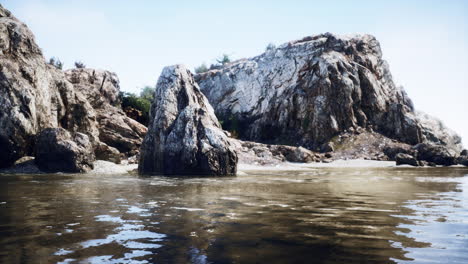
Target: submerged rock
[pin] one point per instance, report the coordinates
(57, 150)
(184, 136)
(306, 92)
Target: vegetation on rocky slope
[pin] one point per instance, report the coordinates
(138, 106)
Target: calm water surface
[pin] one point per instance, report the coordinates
(384, 215)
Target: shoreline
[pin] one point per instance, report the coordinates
(291, 166)
(106, 167)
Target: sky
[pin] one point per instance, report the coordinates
(425, 42)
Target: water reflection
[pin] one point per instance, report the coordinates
(320, 216)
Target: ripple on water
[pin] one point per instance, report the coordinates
(62, 252)
(129, 234)
(123, 237)
(108, 218)
(136, 210)
(188, 209)
(128, 258)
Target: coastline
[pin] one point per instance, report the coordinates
(107, 167)
(291, 166)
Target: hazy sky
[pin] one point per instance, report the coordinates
(425, 42)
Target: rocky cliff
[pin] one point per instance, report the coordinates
(101, 89)
(307, 92)
(35, 95)
(184, 136)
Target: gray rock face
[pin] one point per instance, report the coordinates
(308, 91)
(33, 94)
(184, 136)
(57, 150)
(101, 89)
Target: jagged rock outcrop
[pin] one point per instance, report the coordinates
(184, 136)
(306, 92)
(101, 88)
(264, 154)
(33, 94)
(57, 150)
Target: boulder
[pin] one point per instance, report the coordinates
(308, 91)
(405, 159)
(33, 94)
(462, 160)
(392, 150)
(436, 154)
(184, 136)
(58, 150)
(108, 153)
(301, 155)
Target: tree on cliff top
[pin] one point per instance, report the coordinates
(141, 103)
(147, 93)
(79, 65)
(202, 68)
(224, 59)
(56, 63)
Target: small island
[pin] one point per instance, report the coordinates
(285, 156)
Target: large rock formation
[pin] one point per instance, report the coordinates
(184, 136)
(33, 94)
(101, 88)
(57, 150)
(307, 92)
